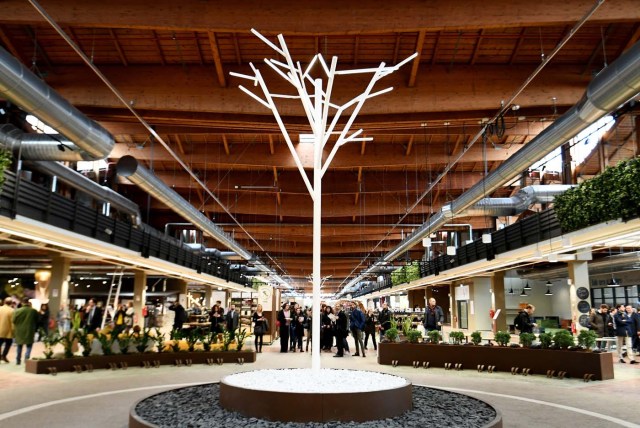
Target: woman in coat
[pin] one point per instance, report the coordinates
(284, 320)
(215, 319)
(298, 322)
(259, 327)
(370, 322)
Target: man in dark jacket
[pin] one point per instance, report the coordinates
(384, 319)
(523, 321)
(625, 330)
(433, 316)
(232, 320)
(356, 319)
(93, 316)
(180, 315)
(341, 330)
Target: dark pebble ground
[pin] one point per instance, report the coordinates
(198, 406)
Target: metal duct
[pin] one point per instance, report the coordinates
(22, 87)
(614, 86)
(527, 196)
(129, 167)
(40, 146)
(82, 183)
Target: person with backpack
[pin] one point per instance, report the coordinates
(524, 321)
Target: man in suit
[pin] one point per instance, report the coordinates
(24, 321)
(625, 330)
(384, 319)
(232, 320)
(341, 330)
(93, 316)
(180, 315)
(433, 316)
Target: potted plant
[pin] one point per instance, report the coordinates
(476, 337)
(563, 339)
(414, 336)
(50, 340)
(434, 336)
(241, 335)
(406, 325)
(124, 340)
(391, 334)
(457, 337)
(502, 338)
(106, 342)
(526, 339)
(545, 340)
(587, 339)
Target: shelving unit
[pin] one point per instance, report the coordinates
(246, 303)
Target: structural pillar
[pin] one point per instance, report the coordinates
(58, 289)
(207, 297)
(497, 301)
(579, 277)
(139, 295)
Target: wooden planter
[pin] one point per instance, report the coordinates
(96, 362)
(538, 361)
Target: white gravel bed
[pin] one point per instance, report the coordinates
(311, 381)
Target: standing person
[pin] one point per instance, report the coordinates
(600, 322)
(180, 315)
(341, 330)
(63, 320)
(308, 326)
(284, 320)
(260, 325)
(433, 316)
(6, 328)
(635, 340)
(232, 321)
(118, 320)
(128, 316)
(25, 321)
(370, 322)
(357, 322)
(384, 319)
(93, 316)
(524, 321)
(43, 321)
(215, 319)
(298, 322)
(625, 330)
(327, 330)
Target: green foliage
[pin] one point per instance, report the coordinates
(563, 339)
(587, 338)
(414, 335)
(241, 335)
(76, 322)
(124, 340)
(526, 339)
(434, 336)
(226, 339)
(67, 342)
(159, 338)
(406, 325)
(611, 195)
(406, 273)
(545, 340)
(6, 158)
(141, 341)
(84, 339)
(476, 337)
(391, 334)
(502, 338)
(192, 338)
(457, 337)
(106, 340)
(50, 340)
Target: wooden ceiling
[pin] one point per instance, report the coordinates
(172, 60)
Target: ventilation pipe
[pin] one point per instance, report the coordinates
(40, 146)
(25, 89)
(129, 167)
(85, 185)
(614, 86)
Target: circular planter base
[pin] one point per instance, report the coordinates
(326, 395)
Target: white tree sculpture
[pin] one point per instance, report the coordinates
(319, 109)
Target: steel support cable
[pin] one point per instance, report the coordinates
(144, 123)
(503, 109)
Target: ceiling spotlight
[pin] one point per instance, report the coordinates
(527, 286)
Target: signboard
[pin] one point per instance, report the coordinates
(265, 297)
(462, 292)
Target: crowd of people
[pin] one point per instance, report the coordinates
(623, 323)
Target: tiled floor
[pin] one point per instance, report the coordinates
(103, 398)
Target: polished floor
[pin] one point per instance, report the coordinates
(103, 398)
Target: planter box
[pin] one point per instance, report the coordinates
(539, 361)
(133, 360)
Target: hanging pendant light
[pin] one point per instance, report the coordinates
(527, 286)
(549, 283)
(510, 291)
(524, 293)
(613, 282)
(549, 292)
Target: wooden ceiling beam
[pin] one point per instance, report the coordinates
(116, 44)
(356, 44)
(226, 145)
(272, 150)
(217, 61)
(156, 40)
(409, 146)
(236, 48)
(635, 36)
(416, 61)
(299, 18)
(514, 53)
(6, 41)
(476, 48)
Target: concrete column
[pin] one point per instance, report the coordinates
(207, 297)
(58, 289)
(579, 277)
(139, 295)
(480, 303)
(497, 301)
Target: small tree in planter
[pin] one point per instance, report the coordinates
(241, 335)
(545, 340)
(414, 336)
(50, 340)
(563, 339)
(476, 337)
(124, 340)
(391, 334)
(457, 337)
(406, 325)
(106, 341)
(192, 338)
(526, 339)
(434, 336)
(159, 338)
(502, 338)
(84, 339)
(587, 339)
